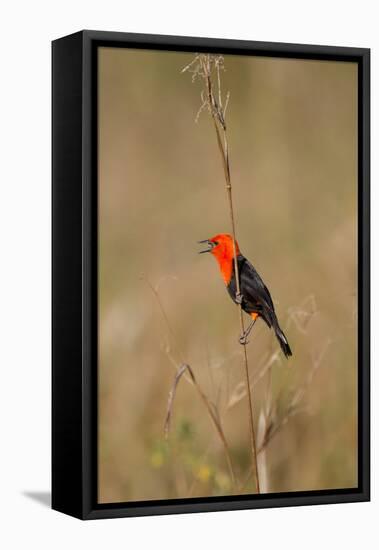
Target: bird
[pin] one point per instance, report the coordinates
(254, 297)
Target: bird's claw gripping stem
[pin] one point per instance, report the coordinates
(239, 298)
(243, 339)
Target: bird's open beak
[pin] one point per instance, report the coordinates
(209, 243)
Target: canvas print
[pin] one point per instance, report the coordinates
(227, 275)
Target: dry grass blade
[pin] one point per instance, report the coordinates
(240, 391)
(213, 415)
(275, 425)
(262, 458)
(182, 370)
(171, 398)
(171, 331)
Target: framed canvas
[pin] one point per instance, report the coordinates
(186, 382)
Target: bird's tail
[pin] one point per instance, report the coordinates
(282, 340)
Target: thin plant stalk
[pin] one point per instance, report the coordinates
(218, 117)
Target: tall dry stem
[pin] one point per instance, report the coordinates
(207, 67)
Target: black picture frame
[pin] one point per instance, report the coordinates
(74, 273)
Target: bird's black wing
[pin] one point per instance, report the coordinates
(256, 297)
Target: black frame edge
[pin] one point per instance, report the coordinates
(364, 266)
(277, 501)
(227, 45)
(67, 96)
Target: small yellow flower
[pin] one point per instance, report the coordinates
(203, 473)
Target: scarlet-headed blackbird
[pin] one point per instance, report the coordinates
(254, 296)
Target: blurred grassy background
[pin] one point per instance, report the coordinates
(292, 128)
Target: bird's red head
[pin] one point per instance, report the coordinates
(221, 247)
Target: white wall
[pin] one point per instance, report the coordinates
(26, 31)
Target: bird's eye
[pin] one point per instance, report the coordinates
(215, 243)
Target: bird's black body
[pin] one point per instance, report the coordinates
(256, 298)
